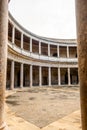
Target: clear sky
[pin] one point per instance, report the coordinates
(49, 18)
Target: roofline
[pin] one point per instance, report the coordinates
(55, 40)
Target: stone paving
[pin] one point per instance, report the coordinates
(70, 122)
(42, 106)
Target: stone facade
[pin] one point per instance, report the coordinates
(39, 61)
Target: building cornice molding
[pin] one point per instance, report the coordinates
(46, 39)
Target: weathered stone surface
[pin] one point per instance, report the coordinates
(3, 56)
(81, 15)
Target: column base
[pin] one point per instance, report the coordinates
(21, 87)
(4, 126)
(11, 88)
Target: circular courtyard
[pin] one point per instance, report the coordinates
(42, 106)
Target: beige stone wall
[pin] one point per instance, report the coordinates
(35, 76)
(73, 52)
(53, 51)
(54, 76)
(44, 76)
(63, 51)
(26, 77)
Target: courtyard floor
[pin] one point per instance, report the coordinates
(42, 106)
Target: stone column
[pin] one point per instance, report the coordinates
(81, 16)
(40, 76)
(3, 57)
(31, 75)
(39, 48)
(13, 35)
(21, 75)
(59, 82)
(12, 75)
(21, 40)
(48, 49)
(69, 83)
(30, 44)
(58, 51)
(49, 76)
(67, 52)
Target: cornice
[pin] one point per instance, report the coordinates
(45, 39)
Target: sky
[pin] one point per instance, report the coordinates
(48, 18)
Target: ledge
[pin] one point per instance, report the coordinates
(41, 58)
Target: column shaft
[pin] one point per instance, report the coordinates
(40, 76)
(21, 75)
(3, 56)
(48, 49)
(69, 76)
(21, 40)
(12, 75)
(30, 44)
(67, 52)
(13, 35)
(59, 78)
(49, 76)
(58, 51)
(39, 48)
(81, 17)
(31, 75)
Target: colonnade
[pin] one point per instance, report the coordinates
(39, 42)
(81, 13)
(49, 75)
